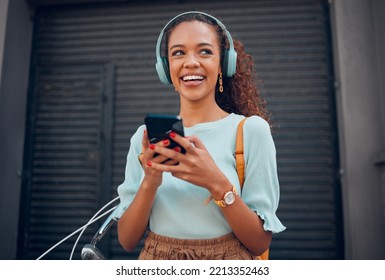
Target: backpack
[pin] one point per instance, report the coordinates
(240, 165)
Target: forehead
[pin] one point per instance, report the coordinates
(191, 31)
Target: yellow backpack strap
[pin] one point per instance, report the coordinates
(239, 159)
(240, 165)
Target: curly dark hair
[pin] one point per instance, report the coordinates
(241, 94)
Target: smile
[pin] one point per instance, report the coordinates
(191, 78)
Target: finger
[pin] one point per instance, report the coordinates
(167, 153)
(156, 151)
(147, 154)
(145, 145)
(170, 162)
(183, 142)
(145, 142)
(162, 167)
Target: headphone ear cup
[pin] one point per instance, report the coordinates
(163, 71)
(230, 63)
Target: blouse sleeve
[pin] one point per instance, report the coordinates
(261, 187)
(133, 173)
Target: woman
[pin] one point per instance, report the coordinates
(167, 198)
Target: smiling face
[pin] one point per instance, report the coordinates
(194, 60)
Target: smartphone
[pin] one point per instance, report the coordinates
(159, 127)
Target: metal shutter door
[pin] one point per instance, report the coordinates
(66, 165)
(289, 41)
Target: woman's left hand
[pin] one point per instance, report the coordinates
(195, 166)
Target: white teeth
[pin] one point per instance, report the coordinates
(192, 77)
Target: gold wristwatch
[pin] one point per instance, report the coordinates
(228, 198)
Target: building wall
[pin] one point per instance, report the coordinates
(359, 65)
(15, 51)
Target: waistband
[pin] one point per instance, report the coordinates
(226, 247)
(192, 242)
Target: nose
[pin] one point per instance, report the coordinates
(191, 61)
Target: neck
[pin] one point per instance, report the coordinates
(193, 114)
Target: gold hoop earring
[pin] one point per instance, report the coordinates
(220, 82)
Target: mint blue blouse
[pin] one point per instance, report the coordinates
(179, 210)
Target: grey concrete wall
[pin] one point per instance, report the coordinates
(361, 126)
(16, 48)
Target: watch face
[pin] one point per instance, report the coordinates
(229, 198)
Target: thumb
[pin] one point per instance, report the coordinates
(196, 142)
(145, 142)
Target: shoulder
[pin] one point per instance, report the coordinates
(258, 139)
(257, 133)
(256, 125)
(139, 132)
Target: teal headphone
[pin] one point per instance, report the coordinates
(230, 57)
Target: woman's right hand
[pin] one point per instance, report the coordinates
(152, 177)
(134, 222)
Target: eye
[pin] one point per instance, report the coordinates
(177, 53)
(206, 51)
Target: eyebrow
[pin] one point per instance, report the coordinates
(199, 45)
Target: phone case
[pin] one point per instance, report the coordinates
(159, 127)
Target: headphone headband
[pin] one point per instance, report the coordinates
(230, 57)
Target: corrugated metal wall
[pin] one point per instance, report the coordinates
(72, 108)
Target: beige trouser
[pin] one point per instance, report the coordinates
(226, 247)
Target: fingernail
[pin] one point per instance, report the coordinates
(172, 134)
(166, 142)
(149, 163)
(177, 149)
(152, 146)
